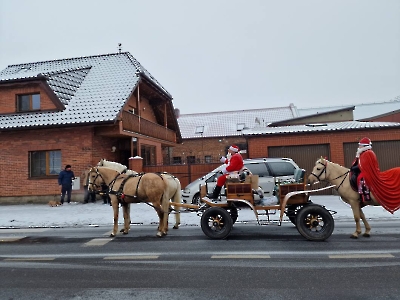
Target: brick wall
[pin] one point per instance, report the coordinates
(8, 97)
(78, 148)
(214, 147)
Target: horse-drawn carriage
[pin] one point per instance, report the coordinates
(313, 221)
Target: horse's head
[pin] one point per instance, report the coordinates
(94, 179)
(319, 171)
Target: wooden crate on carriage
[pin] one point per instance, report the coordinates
(286, 188)
(241, 190)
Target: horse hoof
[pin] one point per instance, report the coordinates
(112, 235)
(366, 235)
(122, 230)
(125, 232)
(176, 227)
(354, 237)
(159, 234)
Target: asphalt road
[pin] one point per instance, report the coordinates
(255, 262)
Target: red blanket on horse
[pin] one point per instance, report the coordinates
(384, 185)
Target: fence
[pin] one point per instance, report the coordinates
(185, 173)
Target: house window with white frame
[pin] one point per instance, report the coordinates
(44, 163)
(28, 102)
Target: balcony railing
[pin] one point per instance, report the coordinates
(131, 122)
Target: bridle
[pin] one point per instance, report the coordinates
(324, 171)
(92, 185)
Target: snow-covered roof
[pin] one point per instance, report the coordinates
(93, 89)
(231, 123)
(361, 111)
(321, 127)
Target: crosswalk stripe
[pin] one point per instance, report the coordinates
(362, 255)
(97, 242)
(10, 239)
(241, 256)
(127, 257)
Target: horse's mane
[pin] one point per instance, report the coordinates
(115, 166)
(328, 161)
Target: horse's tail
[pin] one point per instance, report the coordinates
(176, 197)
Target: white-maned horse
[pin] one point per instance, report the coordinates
(172, 190)
(325, 170)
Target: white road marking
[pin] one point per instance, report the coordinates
(240, 256)
(11, 239)
(127, 257)
(362, 255)
(30, 259)
(97, 242)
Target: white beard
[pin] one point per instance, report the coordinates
(229, 155)
(362, 149)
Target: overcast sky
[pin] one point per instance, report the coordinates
(218, 55)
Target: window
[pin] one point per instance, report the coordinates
(259, 169)
(207, 159)
(282, 168)
(199, 129)
(44, 163)
(191, 159)
(240, 126)
(148, 154)
(28, 102)
(177, 160)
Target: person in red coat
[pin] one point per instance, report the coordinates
(234, 163)
(384, 185)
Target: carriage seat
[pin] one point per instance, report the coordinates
(299, 175)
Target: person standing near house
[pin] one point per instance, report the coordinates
(65, 180)
(234, 163)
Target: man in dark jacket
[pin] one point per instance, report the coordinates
(65, 180)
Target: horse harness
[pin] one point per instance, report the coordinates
(324, 171)
(121, 195)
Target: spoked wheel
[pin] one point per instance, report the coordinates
(314, 222)
(234, 213)
(216, 223)
(291, 212)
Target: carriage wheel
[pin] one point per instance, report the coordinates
(314, 222)
(234, 214)
(216, 223)
(291, 212)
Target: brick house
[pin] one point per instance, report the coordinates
(77, 111)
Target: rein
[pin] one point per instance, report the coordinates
(324, 170)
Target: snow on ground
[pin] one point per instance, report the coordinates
(97, 214)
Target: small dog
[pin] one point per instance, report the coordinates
(53, 203)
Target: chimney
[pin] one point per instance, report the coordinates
(177, 113)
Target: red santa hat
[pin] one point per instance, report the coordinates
(365, 142)
(234, 148)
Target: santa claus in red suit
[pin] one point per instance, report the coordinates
(384, 185)
(234, 163)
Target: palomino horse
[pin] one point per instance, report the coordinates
(172, 191)
(149, 188)
(325, 170)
